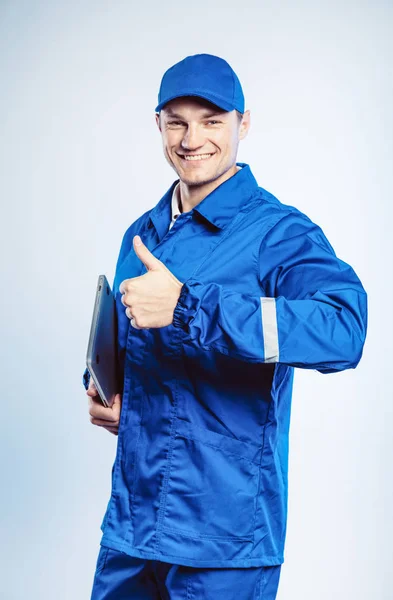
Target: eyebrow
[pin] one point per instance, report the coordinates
(204, 115)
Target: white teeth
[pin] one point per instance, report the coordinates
(197, 157)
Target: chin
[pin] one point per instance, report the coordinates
(197, 181)
(199, 178)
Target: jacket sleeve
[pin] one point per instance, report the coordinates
(312, 311)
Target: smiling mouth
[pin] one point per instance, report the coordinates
(195, 157)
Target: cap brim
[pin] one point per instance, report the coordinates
(224, 105)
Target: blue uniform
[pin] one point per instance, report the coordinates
(122, 577)
(200, 476)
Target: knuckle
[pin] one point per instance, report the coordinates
(127, 300)
(141, 322)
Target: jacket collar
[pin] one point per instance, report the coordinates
(219, 207)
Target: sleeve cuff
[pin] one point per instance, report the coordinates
(86, 378)
(187, 305)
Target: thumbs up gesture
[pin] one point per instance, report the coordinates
(150, 299)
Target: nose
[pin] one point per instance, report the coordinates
(193, 138)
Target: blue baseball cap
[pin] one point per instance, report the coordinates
(205, 76)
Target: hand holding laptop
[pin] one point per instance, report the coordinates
(109, 417)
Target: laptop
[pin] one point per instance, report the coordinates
(101, 358)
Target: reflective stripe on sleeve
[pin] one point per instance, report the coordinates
(269, 329)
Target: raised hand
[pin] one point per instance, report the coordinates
(150, 299)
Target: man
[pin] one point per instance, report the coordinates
(221, 291)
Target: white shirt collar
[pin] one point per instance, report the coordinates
(175, 202)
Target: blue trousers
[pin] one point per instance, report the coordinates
(119, 576)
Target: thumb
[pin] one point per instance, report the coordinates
(151, 262)
(92, 390)
(116, 405)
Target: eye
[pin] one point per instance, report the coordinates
(212, 122)
(175, 123)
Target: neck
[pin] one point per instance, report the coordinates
(192, 195)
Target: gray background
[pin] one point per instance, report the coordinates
(81, 158)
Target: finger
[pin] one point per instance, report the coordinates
(151, 262)
(116, 406)
(134, 325)
(108, 414)
(92, 390)
(123, 286)
(132, 319)
(103, 423)
(108, 427)
(128, 312)
(98, 411)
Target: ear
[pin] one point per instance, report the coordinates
(158, 121)
(244, 125)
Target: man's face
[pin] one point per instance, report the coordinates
(200, 140)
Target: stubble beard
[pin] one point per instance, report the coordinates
(205, 181)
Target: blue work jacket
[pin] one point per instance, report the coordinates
(200, 476)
